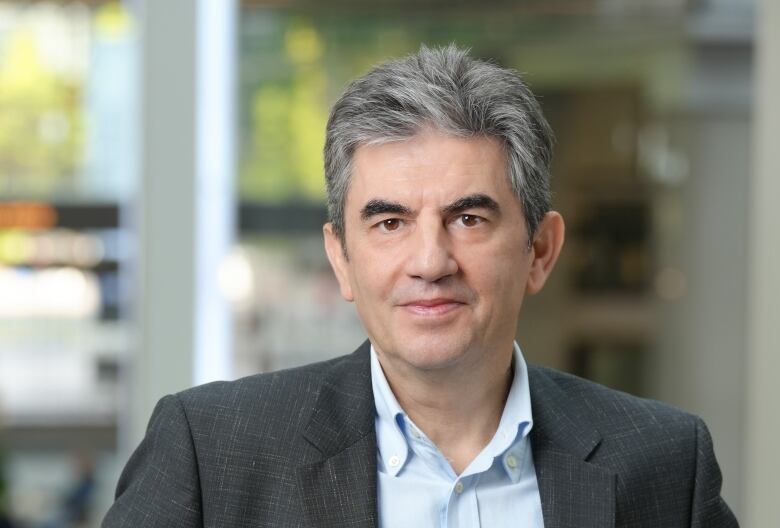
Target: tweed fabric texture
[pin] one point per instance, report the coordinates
(297, 448)
(605, 458)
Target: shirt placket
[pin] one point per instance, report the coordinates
(461, 508)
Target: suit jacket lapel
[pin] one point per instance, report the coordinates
(339, 487)
(574, 492)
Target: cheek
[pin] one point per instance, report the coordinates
(372, 276)
(501, 274)
(507, 284)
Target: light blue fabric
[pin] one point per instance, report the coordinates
(418, 487)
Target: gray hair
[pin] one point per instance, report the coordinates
(446, 89)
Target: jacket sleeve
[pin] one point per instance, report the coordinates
(708, 510)
(159, 486)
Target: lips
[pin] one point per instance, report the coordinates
(432, 307)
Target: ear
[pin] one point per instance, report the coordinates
(545, 249)
(338, 260)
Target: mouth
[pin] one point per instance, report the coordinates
(432, 307)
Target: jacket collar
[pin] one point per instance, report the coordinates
(574, 492)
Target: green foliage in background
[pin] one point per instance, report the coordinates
(41, 123)
(288, 116)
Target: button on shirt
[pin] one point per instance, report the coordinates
(418, 487)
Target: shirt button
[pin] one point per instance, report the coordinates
(459, 487)
(394, 461)
(511, 461)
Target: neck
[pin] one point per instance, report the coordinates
(459, 409)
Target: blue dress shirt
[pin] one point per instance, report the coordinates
(418, 487)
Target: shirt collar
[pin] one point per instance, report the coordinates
(514, 426)
(392, 444)
(510, 442)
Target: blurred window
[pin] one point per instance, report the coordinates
(67, 169)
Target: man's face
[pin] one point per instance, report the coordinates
(437, 250)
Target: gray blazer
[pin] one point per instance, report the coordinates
(297, 448)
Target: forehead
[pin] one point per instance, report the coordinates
(430, 166)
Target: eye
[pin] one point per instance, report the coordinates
(389, 224)
(470, 220)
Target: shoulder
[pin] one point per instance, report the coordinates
(289, 392)
(628, 426)
(609, 408)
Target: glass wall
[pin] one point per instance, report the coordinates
(67, 168)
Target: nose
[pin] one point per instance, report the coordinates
(431, 258)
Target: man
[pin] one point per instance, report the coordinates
(437, 168)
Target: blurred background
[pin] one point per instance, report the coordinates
(161, 203)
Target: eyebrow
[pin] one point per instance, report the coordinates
(472, 201)
(378, 206)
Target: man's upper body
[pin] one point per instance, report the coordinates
(437, 168)
(299, 448)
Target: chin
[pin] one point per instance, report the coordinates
(431, 352)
